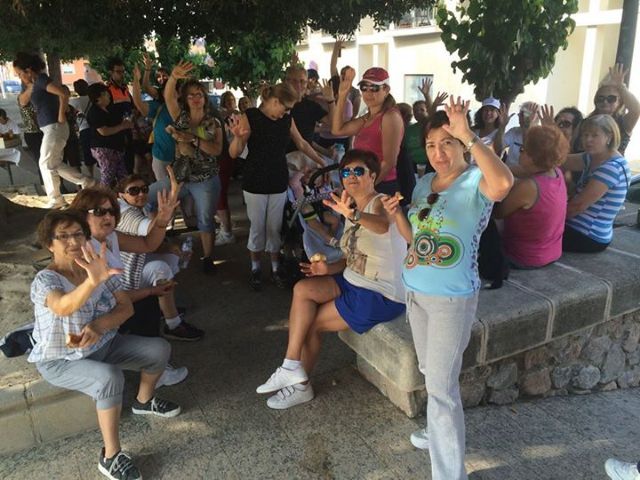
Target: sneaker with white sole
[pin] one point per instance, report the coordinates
(420, 439)
(619, 470)
(291, 396)
(224, 238)
(172, 376)
(156, 406)
(283, 378)
(118, 467)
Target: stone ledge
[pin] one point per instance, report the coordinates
(35, 412)
(533, 308)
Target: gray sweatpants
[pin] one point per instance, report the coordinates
(100, 374)
(441, 328)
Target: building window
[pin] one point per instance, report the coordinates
(412, 86)
(68, 69)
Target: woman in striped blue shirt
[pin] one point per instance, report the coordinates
(601, 189)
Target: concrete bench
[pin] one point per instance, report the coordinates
(522, 329)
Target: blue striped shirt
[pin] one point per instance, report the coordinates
(596, 221)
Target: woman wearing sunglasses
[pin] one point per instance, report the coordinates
(601, 187)
(614, 98)
(198, 136)
(357, 292)
(267, 131)
(79, 305)
(380, 130)
(449, 210)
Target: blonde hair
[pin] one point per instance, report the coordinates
(605, 123)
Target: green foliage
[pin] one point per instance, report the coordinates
(505, 44)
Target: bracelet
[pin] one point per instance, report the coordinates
(472, 142)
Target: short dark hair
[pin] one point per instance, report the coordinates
(367, 157)
(51, 220)
(114, 62)
(95, 90)
(577, 115)
(128, 180)
(90, 198)
(30, 61)
(81, 87)
(3, 113)
(312, 73)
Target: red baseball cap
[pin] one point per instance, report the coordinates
(375, 76)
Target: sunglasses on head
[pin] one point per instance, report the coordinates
(357, 171)
(606, 98)
(101, 212)
(135, 190)
(431, 199)
(564, 123)
(367, 87)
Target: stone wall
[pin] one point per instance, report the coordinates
(600, 358)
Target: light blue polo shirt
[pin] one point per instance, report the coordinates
(443, 256)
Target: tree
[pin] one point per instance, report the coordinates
(505, 44)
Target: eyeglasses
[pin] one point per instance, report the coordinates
(606, 98)
(357, 171)
(368, 87)
(65, 237)
(196, 96)
(137, 190)
(564, 123)
(101, 212)
(431, 199)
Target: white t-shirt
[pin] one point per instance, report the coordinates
(10, 125)
(513, 141)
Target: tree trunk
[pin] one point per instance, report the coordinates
(627, 36)
(53, 65)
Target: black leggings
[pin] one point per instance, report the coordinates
(574, 241)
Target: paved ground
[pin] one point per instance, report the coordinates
(350, 431)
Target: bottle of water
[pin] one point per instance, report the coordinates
(187, 251)
(339, 148)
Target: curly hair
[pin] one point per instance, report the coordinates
(29, 61)
(90, 198)
(47, 226)
(546, 146)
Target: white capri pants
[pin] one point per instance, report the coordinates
(159, 266)
(265, 215)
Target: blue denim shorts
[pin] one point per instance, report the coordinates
(362, 308)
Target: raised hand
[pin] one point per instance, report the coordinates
(546, 114)
(391, 206)
(503, 115)
(148, 63)
(327, 91)
(616, 76)
(96, 265)
(439, 100)
(425, 87)
(346, 81)
(168, 201)
(182, 69)
(236, 127)
(136, 73)
(314, 269)
(340, 204)
(458, 125)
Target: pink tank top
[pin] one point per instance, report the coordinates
(370, 138)
(533, 237)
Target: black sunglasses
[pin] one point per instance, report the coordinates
(431, 199)
(367, 87)
(606, 98)
(135, 190)
(101, 212)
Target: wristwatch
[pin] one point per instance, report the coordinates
(472, 142)
(356, 216)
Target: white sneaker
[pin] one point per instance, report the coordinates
(618, 470)
(283, 378)
(224, 238)
(291, 396)
(56, 203)
(420, 439)
(172, 376)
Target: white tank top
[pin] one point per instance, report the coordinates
(374, 260)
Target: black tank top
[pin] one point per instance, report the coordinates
(265, 170)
